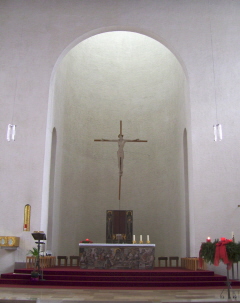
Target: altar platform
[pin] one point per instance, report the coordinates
(116, 256)
(156, 278)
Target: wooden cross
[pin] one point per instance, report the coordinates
(120, 153)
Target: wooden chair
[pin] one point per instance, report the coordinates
(62, 258)
(76, 258)
(176, 259)
(162, 259)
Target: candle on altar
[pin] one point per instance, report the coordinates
(147, 238)
(140, 237)
(208, 239)
(134, 238)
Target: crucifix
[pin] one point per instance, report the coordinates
(120, 153)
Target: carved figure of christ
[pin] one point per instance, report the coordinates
(120, 153)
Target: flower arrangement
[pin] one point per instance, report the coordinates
(224, 250)
(86, 241)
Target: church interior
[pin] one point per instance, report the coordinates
(119, 105)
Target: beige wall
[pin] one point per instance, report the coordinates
(36, 35)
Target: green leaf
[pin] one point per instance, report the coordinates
(207, 251)
(33, 252)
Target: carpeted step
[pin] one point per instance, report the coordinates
(165, 273)
(156, 278)
(49, 277)
(116, 283)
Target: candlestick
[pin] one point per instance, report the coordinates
(134, 239)
(148, 241)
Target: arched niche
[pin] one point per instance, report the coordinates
(108, 77)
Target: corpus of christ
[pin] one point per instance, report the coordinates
(120, 153)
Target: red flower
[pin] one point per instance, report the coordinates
(86, 241)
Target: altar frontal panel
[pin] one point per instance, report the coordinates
(122, 256)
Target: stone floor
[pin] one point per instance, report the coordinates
(13, 295)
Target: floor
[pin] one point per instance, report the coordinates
(13, 295)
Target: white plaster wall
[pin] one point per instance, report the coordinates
(34, 34)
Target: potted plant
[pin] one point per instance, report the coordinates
(35, 253)
(34, 275)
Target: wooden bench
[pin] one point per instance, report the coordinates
(46, 261)
(191, 263)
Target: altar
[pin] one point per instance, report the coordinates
(116, 256)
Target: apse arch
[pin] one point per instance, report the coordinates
(103, 30)
(60, 128)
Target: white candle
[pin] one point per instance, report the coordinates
(140, 237)
(147, 238)
(134, 238)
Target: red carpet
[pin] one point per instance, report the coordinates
(158, 278)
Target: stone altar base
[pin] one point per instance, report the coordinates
(116, 256)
